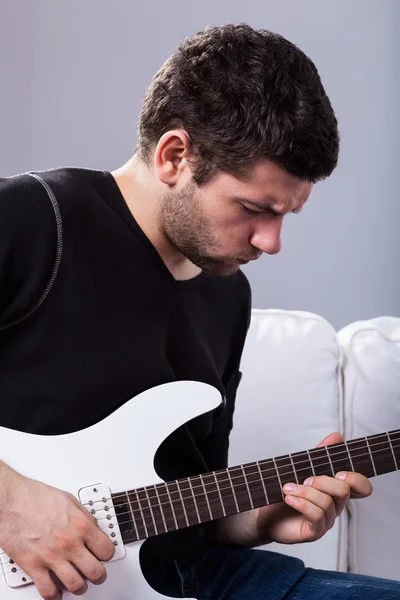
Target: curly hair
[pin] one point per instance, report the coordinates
(242, 95)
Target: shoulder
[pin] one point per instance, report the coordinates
(30, 235)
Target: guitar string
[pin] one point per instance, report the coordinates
(148, 507)
(245, 493)
(272, 469)
(365, 455)
(242, 495)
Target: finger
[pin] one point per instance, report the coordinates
(45, 585)
(360, 486)
(91, 568)
(69, 577)
(309, 496)
(337, 490)
(332, 438)
(314, 515)
(99, 544)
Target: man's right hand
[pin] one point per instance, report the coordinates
(47, 531)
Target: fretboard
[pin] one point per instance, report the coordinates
(165, 507)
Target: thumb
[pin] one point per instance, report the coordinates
(332, 438)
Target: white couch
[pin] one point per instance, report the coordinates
(301, 381)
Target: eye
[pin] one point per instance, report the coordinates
(249, 211)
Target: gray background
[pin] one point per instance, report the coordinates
(73, 75)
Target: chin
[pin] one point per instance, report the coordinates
(223, 269)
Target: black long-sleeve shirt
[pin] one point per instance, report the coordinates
(90, 316)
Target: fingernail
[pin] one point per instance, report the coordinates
(342, 475)
(290, 487)
(309, 481)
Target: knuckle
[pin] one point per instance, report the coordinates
(46, 588)
(77, 587)
(68, 543)
(47, 555)
(84, 526)
(108, 553)
(98, 575)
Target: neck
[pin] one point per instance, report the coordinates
(143, 196)
(165, 507)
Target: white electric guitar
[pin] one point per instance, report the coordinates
(109, 467)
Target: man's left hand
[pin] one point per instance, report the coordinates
(310, 509)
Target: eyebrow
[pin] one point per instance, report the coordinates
(268, 207)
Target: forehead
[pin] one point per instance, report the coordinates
(267, 182)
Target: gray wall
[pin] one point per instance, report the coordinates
(73, 74)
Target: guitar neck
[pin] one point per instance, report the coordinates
(165, 507)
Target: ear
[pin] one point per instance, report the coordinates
(170, 157)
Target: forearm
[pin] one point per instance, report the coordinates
(241, 530)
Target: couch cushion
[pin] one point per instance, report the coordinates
(372, 405)
(289, 399)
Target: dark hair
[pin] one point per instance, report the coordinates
(242, 95)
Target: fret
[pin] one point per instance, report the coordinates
(145, 511)
(213, 496)
(294, 469)
(382, 454)
(156, 510)
(286, 471)
(136, 527)
(226, 491)
(393, 452)
(279, 478)
(160, 505)
(189, 502)
(124, 515)
(138, 514)
(370, 453)
(394, 437)
(172, 506)
(302, 463)
(271, 481)
(339, 457)
(321, 462)
(201, 498)
(330, 462)
(241, 489)
(263, 483)
(206, 496)
(151, 511)
(247, 486)
(311, 463)
(219, 493)
(177, 502)
(361, 457)
(256, 485)
(348, 452)
(233, 490)
(194, 499)
(183, 504)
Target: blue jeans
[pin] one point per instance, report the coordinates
(242, 574)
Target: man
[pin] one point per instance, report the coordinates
(113, 283)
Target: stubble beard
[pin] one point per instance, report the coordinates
(183, 223)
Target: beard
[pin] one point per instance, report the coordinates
(191, 232)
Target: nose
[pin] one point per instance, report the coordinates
(267, 236)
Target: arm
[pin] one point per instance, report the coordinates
(43, 529)
(46, 530)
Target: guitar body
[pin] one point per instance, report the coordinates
(119, 452)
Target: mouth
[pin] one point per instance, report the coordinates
(244, 262)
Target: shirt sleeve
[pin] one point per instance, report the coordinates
(30, 248)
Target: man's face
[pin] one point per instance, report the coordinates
(228, 221)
